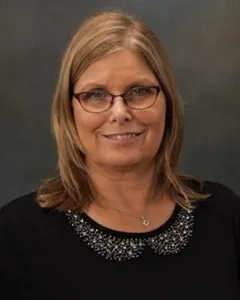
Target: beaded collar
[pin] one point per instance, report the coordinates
(168, 239)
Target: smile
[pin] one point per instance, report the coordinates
(124, 136)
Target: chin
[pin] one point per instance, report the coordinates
(124, 163)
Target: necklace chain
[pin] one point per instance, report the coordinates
(143, 218)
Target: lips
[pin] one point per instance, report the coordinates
(123, 136)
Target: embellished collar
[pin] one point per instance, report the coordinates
(168, 239)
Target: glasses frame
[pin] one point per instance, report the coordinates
(157, 87)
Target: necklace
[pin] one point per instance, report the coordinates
(143, 219)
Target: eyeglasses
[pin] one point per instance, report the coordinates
(137, 97)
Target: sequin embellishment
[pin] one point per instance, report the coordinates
(168, 242)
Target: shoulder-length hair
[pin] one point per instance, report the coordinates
(99, 36)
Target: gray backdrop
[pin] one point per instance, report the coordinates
(203, 42)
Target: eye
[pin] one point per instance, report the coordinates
(95, 95)
(139, 91)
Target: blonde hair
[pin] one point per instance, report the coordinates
(99, 36)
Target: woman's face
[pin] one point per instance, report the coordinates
(104, 136)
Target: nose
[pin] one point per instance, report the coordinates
(120, 112)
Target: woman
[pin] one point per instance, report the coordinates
(119, 222)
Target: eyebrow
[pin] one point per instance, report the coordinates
(95, 85)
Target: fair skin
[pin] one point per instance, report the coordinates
(122, 171)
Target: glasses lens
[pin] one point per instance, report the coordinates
(138, 97)
(95, 101)
(141, 97)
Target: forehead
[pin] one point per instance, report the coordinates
(118, 68)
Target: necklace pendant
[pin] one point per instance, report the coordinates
(145, 222)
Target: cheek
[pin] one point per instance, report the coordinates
(154, 118)
(160, 116)
(156, 131)
(86, 124)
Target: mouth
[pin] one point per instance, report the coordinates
(124, 136)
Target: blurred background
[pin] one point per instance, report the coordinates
(202, 39)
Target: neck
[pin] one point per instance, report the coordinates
(124, 189)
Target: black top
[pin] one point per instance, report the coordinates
(43, 257)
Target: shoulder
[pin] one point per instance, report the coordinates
(24, 214)
(16, 221)
(222, 203)
(221, 194)
(218, 188)
(21, 207)
(25, 227)
(21, 201)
